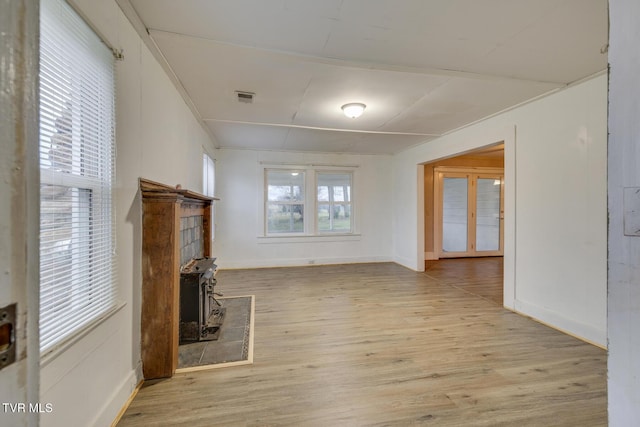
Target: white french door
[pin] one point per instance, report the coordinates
(469, 212)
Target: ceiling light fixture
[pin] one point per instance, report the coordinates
(353, 110)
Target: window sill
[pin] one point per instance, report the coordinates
(309, 238)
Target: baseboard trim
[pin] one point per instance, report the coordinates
(127, 403)
(295, 262)
(588, 335)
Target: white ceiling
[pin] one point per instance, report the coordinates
(422, 67)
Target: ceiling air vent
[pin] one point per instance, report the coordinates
(246, 97)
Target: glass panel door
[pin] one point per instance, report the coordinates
(470, 213)
(454, 214)
(488, 214)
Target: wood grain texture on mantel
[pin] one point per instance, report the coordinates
(155, 189)
(162, 208)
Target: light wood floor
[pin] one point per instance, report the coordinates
(380, 345)
(480, 276)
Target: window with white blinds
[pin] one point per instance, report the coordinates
(209, 185)
(77, 155)
(208, 175)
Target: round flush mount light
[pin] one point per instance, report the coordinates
(353, 109)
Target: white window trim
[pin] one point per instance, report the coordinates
(310, 233)
(265, 201)
(210, 192)
(104, 179)
(333, 202)
(317, 238)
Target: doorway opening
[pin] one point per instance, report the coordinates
(464, 221)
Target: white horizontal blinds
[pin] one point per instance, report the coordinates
(77, 277)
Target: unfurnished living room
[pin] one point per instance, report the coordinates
(319, 213)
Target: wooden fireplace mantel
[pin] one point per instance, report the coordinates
(162, 208)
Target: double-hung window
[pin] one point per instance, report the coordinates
(308, 201)
(208, 175)
(209, 185)
(77, 154)
(334, 202)
(285, 201)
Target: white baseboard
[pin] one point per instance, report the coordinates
(294, 262)
(112, 409)
(410, 263)
(563, 324)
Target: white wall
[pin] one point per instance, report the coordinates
(624, 250)
(240, 241)
(556, 219)
(157, 138)
(557, 164)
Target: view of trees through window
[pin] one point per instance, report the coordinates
(334, 202)
(287, 201)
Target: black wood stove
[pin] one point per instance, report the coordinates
(200, 313)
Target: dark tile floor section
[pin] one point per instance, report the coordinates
(232, 342)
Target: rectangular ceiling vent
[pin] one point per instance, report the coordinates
(246, 97)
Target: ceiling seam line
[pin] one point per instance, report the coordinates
(290, 126)
(366, 65)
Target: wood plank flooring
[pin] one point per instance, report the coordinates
(381, 345)
(481, 276)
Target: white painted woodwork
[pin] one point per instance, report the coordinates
(19, 254)
(624, 250)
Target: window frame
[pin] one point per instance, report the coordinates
(290, 203)
(82, 162)
(310, 202)
(209, 185)
(333, 203)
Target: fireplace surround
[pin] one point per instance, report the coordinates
(169, 215)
